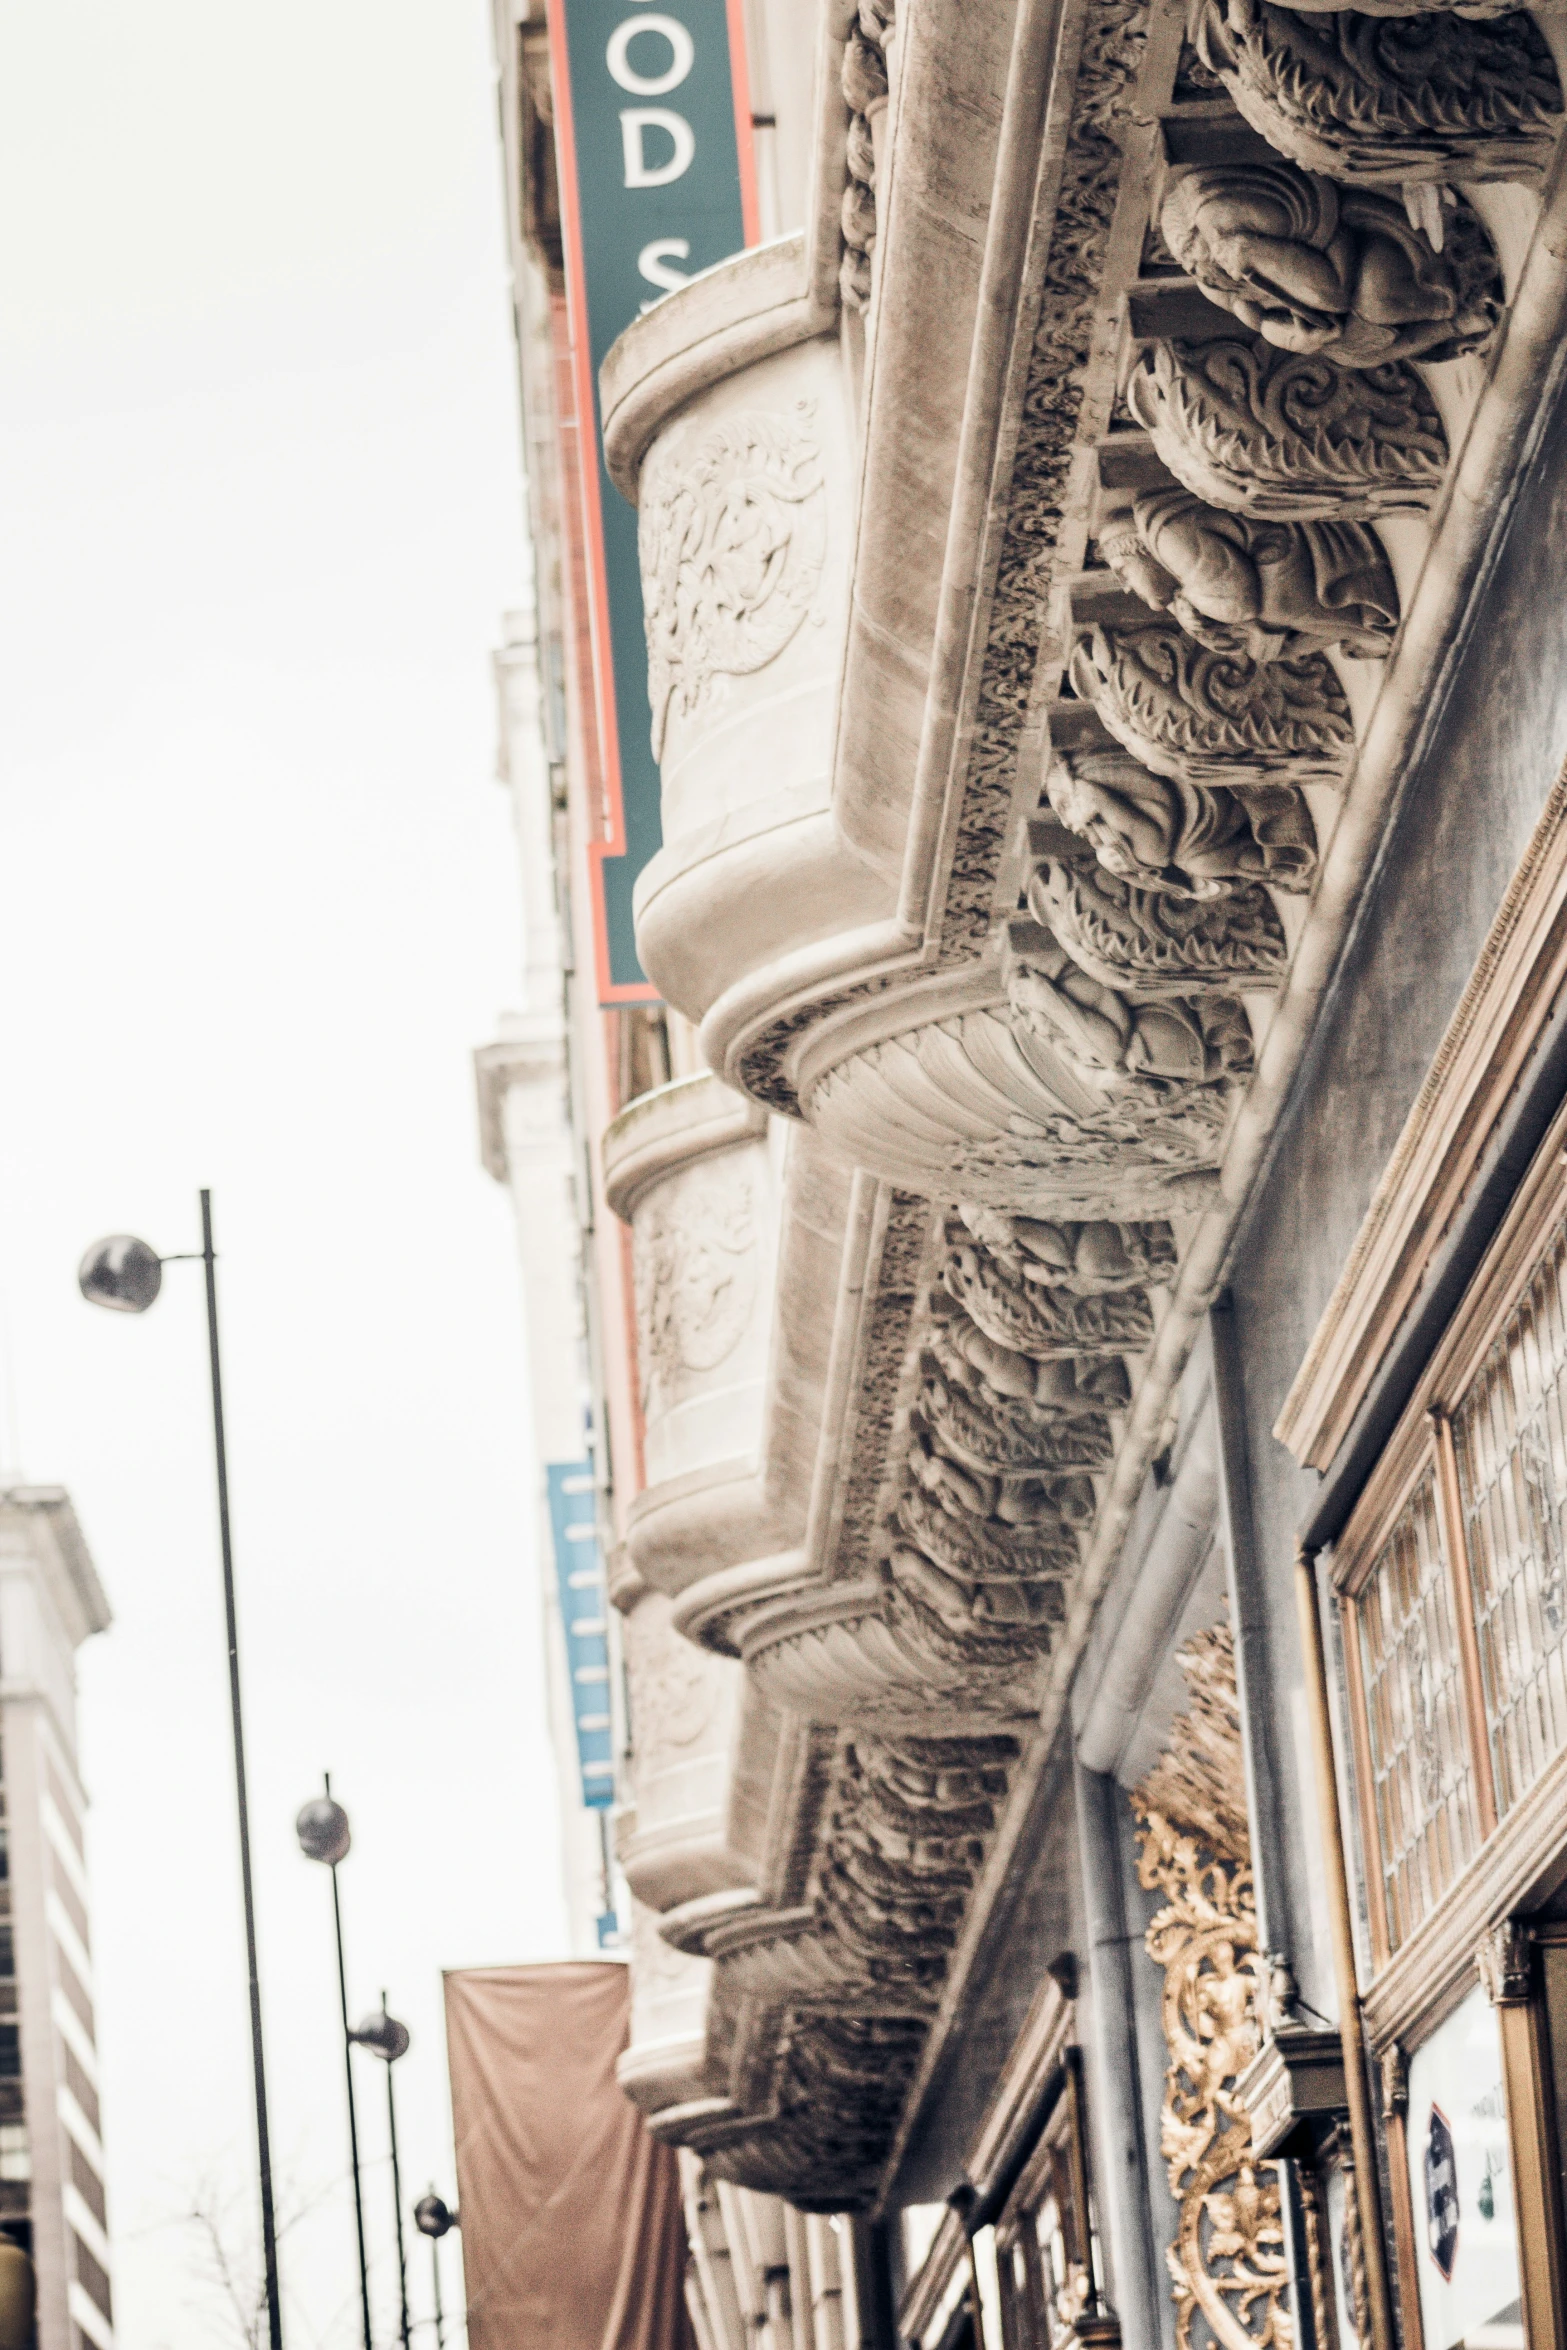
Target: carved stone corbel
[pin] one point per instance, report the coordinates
(1214, 718)
(1151, 942)
(1159, 832)
(1314, 267)
(1239, 584)
(1389, 101)
(1504, 1963)
(1288, 436)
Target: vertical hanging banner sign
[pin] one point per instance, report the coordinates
(657, 182)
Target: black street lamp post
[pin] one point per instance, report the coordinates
(434, 2219)
(323, 1832)
(126, 1275)
(385, 2037)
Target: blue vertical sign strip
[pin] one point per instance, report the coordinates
(657, 182)
(579, 1576)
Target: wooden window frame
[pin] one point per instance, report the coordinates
(1519, 1857)
(1040, 2096)
(1422, 1442)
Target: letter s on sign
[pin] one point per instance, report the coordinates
(650, 85)
(653, 264)
(635, 123)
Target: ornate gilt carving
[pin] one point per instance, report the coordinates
(1288, 436)
(731, 538)
(1389, 100)
(1214, 718)
(1151, 941)
(1202, 841)
(1313, 267)
(1238, 584)
(1227, 2264)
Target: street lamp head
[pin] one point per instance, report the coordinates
(322, 1829)
(383, 2035)
(432, 2217)
(122, 1273)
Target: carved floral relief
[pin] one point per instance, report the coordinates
(694, 1255)
(1154, 942)
(732, 536)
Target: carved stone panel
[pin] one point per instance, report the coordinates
(1389, 101)
(1288, 436)
(1227, 2264)
(1314, 267)
(732, 534)
(1215, 718)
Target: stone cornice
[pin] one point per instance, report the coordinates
(973, 1487)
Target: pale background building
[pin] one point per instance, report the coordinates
(51, 2145)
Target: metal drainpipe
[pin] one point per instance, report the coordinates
(1351, 2031)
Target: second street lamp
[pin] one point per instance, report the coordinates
(434, 2218)
(386, 2038)
(126, 1275)
(323, 1832)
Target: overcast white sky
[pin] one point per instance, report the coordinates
(261, 513)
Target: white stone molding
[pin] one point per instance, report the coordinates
(1027, 914)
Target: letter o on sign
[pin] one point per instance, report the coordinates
(650, 85)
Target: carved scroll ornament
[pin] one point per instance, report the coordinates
(1214, 718)
(1038, 1321)
(1269, 590)
(1387, 101)
(1227, 2264)
(732, 536)
(1152, 941)
(1286, 436)
(1195, 840)
(1312, 267)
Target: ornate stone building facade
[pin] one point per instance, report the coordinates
(1079, 1244)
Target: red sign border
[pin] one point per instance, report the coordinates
(614, 843)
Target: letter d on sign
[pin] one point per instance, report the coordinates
(635, 123)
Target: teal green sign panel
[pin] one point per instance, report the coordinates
(657, 182)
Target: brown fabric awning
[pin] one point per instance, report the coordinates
(572, 2233)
